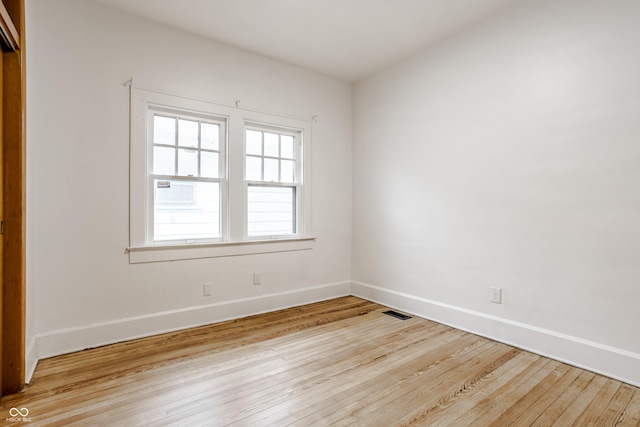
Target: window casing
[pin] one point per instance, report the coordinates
(195, 189)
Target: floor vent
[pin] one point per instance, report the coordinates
(397, 315)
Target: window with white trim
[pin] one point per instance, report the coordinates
(272, 176)
(186, 176)
(205, 175)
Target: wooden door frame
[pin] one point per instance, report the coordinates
(13, 296)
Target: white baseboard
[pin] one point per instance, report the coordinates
(612, 362)
(606, 360)
(31, 359)
(64, 341)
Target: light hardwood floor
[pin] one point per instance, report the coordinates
(337, 362)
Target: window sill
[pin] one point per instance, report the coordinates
(146, 254)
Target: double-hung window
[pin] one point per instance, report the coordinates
(209, 180)
(272, 176)
(186, 176)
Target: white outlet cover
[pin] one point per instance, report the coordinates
(495, 295)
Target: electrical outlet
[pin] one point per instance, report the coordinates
(257, 278)
(495, 295)
(206, 290)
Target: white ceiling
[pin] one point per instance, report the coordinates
(346, 39)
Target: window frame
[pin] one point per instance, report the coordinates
(202, 117)
(233, 214)
(297, 184)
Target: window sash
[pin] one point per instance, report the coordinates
(178, 223)
(259, 152)
(198, 210)
(272, 210)
(177, 150)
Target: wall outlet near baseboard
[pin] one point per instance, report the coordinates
(495, 295)
(257, 278)
(206, 290)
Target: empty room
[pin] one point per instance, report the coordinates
(340, 212)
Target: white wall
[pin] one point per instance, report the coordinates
(504, 156)
(509, 155)
(82, 289)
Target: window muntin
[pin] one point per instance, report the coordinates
(185, 176)
(272, 176)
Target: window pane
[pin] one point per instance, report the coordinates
(254, 168)
(210, 138)
(164, 161)
(187, 133)
(287, 171)
(271, 144)
(271, 170)
(271, 211)
(209, 164)
(254, 142)
(185, 210)
(286, 146)
(187, 162)
(164, 130)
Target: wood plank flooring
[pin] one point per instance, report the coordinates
(338, 362)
